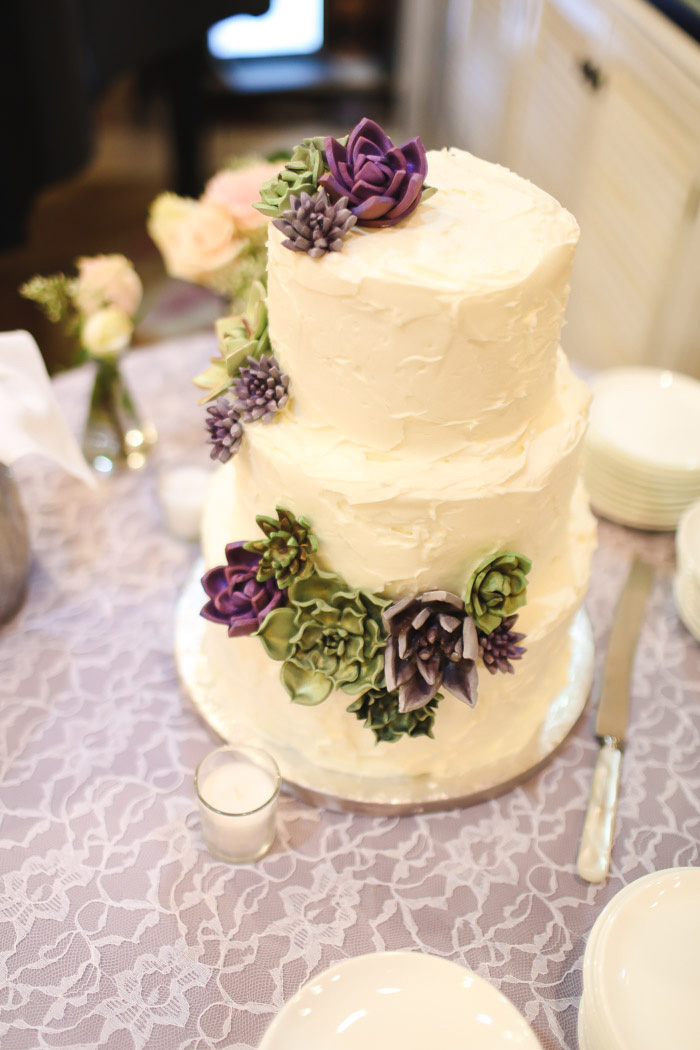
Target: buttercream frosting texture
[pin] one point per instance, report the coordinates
(434, 422)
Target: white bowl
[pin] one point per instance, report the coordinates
(398, 999)
(641, 969)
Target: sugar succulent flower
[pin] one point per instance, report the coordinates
(286, 549)
(379, 710)
(328, 637)
(498, 649)
(383, 182)
(432, 642)
(497, 589)
(236, 598)
(301, 172)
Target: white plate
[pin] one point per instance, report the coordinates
(622, 494)
(689, 615)
(661, 486)
(398, 999)
(641, 970)
(648, 415)
(622, 515)
(688, 539)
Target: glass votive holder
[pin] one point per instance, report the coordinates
(237, 790)
(182, 490)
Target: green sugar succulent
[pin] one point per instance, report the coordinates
(379, 710)
(302, 171)
(240, 337)
(328, 637)
(497, 589)
(287, 549)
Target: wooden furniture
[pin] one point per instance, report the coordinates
(598, 102)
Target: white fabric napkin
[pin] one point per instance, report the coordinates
(30, 418)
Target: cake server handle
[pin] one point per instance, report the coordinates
(596, 842)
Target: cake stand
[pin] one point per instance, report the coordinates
(390, 796)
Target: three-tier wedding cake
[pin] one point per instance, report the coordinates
(398, 550)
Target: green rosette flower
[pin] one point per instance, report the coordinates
(497, 589)
(328, 637)
(240, 337)
(287, 549)
(302, 171)
(379, 710)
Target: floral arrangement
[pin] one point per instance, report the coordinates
(328, 186)
(218, 240)
(98, 305)
(393, 658)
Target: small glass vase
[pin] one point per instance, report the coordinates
(115, 437)
(15, 552)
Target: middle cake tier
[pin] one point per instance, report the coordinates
(397, 525)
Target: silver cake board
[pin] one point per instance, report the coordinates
(216, 706)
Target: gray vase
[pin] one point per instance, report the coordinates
(15, 553)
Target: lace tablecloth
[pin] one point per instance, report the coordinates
(119, 931)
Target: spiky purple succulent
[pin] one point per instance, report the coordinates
(432, 641)
(225, 430)
(314, 225)
(383, 182)
(236, 596)
(498, 648)
(261, 389)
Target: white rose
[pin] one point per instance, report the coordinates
(107, 280)
(107, 332)
(195, 238)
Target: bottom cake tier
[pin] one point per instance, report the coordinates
(327, 757)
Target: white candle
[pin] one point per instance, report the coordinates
(182, 491)
(237, 788)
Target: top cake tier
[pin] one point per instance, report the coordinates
(437, 332)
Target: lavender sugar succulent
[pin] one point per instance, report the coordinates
(315, 225)
(500, 647)
(383, 182)
(261, 390)
(431, 642)
(236, 597)
(225, 430)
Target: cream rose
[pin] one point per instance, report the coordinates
(235, 191)
(194, 237)
(107, 332)
(107, 280)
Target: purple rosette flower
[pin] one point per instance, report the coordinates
(236, 597)
(383, 182)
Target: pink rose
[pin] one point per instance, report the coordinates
(237, 190)
(107, 280)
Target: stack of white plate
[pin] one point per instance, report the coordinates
(641, 457)
(686, 585)
(642, 965)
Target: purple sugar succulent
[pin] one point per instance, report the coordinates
(431, 642)
(261, 389)
(236, 597)
(383, 182)
(499, 648)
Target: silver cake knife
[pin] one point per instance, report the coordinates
(611, 724)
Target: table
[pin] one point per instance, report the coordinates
(118, 930)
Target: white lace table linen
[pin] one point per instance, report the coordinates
(119, 931)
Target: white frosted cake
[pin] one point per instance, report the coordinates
(433, 426)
